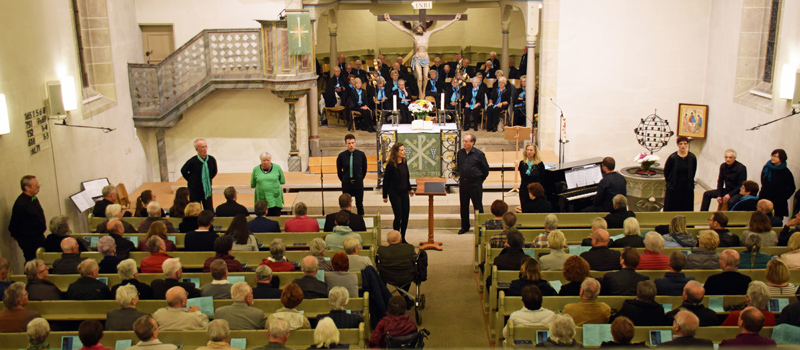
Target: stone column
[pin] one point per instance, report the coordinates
(530, 84)
(504, 56)
(332, 27)
(313, 122)
(291, 97)
(161, 144)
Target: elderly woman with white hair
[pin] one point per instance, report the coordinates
(267, 179)
(555, 260)
(499, 99)
(108, 249)
(338, 297)
(115, 212)
(562, 333)
(122, 319)
(758, 297)
(59, 229)
(317, 247)
(326, 335)
(129, 275)
(653, 258)
(218, 334)
(633, 235)
(87, 287)
(277, 262)
(38, 330)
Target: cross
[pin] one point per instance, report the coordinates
(422, 17)
(298, 33)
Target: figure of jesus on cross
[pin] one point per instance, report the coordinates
(421, 60)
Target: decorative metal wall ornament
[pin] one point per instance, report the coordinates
(653, 133)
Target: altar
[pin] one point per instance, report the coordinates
(429, 152)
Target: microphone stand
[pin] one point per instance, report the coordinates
(321, 182)
(561, 139)
(503, 172)
(795, 111)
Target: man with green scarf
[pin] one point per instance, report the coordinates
(198, 172)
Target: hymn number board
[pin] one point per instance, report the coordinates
(37, 130)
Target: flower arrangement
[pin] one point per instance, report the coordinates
(646, 161)
(420, 108)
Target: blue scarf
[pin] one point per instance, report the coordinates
(433, 85)
(402, 96)
(769, 168)
(380, 94)
(499, 96)
(474, 93)
(521, 94)
(742, 200)
(394, 87)
(358, 92)
(530, 166)
(454, 96)
(206, 177)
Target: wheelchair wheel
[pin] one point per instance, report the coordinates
(418, 316)
(422, 302)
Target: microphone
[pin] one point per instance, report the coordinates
(557, 106)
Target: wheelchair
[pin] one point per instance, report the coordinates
(414, 340)
(402, 273)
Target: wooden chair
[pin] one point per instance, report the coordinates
(337, 111)
(432, 99)
(122, 196)
(489, 82)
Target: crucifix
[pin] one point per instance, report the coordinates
(421, 36)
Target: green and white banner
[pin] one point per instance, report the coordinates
(422, 154)
(299, 25)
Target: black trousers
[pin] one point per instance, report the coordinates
(492, 118)
(356, 190)
(469, 192)
(472, 117)
(708, 196)
(519, 117)
(29, 246)
(274, 211)
(207, 203)
(400, 207)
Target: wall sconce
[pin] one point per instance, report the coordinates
(788, 81)
(5, 127)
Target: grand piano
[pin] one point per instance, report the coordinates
(573, 186)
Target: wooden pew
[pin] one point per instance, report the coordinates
(221, 223)
(293, 239)
(190, 340)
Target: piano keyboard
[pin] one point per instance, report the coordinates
(583, 195)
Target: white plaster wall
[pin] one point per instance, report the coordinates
(618, 61)
(38, 45)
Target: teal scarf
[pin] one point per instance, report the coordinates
(530, 166)
(769, 168)
(206, 177)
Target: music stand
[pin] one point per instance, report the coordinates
(430, 186)
(516, 133)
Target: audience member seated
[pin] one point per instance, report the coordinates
(39, 287)
(760, 225)
(562, 333)
(792, 258)
(90, 332)
(178, 209)
(752, 257)
(616, 218)
(317, 247)
(109, 194)
(653, 259)
(143, 201)
(339, 277)
(158, 254)
(600, 257)
(291, 296)
(693, 293)
(757, 296)
(223, 246)
(498, 240)
(530, 274)
(338, 298)
(550, 225)
(684, 326)
(788, 231)
(538, 202)
(576, 269)
(108, 249)
(750, 322)
(146, 329)
(588, 310)
(622, 331)
(265, 288)
(122, 319)
(326, 336)
(704, 256)
(498, 208)
(178, 317)
(624, 281)
(674, 280)
(532, 314)
(730, 281)
(129, 275)
(510, 258)
(301, 222)
(70, 258)
(395, 262)
(154, 214)
(791, 314)
(352, 246)
(38, 331)
(597, 224)
(554, 261)
(335, 241)
(277, 262)
(717, 222)
(15, 317)
(59, 229)
(241, 315)
(765, 206)
(243, 240)
(5, 268)
(173, 271)
(115, 212)
(278, 333)
(395, 323)
(87, 287)
(312, 287)
(633, 235)
(219, 288)
(778, 278)
(644, 310)
(749, 193)
(202, 238)
(218, 333)
(190, 216)
(158, 228)
(122, 246)
(261, 223)
(231, 208)
(678, 237)
(355, 221)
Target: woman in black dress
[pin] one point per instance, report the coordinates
(538, 202)
(679, 172)
(397, 187)
(777, 183)
(531, 170)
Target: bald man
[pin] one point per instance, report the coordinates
(588, 310)
(693, 293)
(684, 326)
(765, 206)
(751, 320)
(730, 281)
(600, 257)
(177, 317)
(70, 258)
(311, 286)
(395, 261)
(116, 229)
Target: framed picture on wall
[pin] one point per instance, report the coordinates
(692, 120)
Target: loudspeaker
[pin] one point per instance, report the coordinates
(55, 101)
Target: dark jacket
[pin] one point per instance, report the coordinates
(27, 220)
(615, 345)
(395, 263)
(312, 287)
(791, 314)
(515, 289)
(230, 209)
(672, 283)
(199, 241)
(643, 313)
(688, 342)
(379, 295)
(124, 246)
(145, 292)
(393, 182)
(747, 203)
(122, 319)
(395, 326)
(366, 99)
(602, 259)
(731, 178)
(144, 226)
(504, 97)
(233, 264)
(616, 218)
(786, 233)
(263, 224)
(748, 340)
(52, 243)
(472, 167)
(42, 290)
(266, 291)
(192, 171)
(356, 224)
(622, 282)
(777, 187)
(439, 88)
(342, 319)
(509, 259)
(87, 288)
(727, 239)
(708, 318)
(109, 264)
(99, 210)
(671, 171)
(160, 288)
(189, 223)
(537, 205)
(448, 95)
(611, 185)
(727, 283)
(359, 164)
(480, 97)
(102, 227)
(570, 289)
(330, 94)
(633, 241)
(67, 264)
(552, 344)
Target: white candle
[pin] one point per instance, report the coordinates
(394, 103)
(442, 104)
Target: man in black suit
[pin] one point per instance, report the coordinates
(495, 61)
(616, 218)
(261, 223)
(266, 284)
(109, 197)
(27, 224)
(202, 239)
(731, 176)
(340, 63)
(684, 325)
(199, 171)
(510, 258)
(730, 281)
(116, 229)
(351, 168)
(356, 224)
(335, 86)
(311, 286)
(717, 222)
(611, 185)
(624, 281)
(359, 73)
(693, 293)
(600, 258)
(474, 99)
(231, 208)
(173, 271)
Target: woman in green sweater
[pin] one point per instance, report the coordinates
(267, 179)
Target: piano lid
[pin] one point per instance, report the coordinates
(576, 163)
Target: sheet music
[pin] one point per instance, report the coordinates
(82, 200)
(95, 187)
(583, 176)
